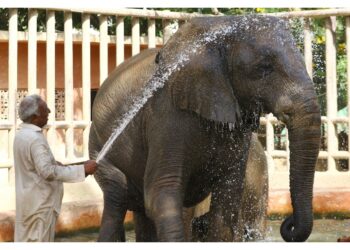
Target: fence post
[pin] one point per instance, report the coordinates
(32, 50)
(50, 75)
(119, 40)
(103, 48)
(166, 30)
(331, 82)
(86, 78)
(151, 33)
(68, 84)
(12, 81)
(308, 46)
(269, 135)
(135, 36)
(347, 30)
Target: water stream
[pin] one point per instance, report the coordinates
(163, 74)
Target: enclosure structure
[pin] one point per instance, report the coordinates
(67, 66)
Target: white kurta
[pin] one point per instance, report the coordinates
(39, 187)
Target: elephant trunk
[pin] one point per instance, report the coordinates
(304, 135)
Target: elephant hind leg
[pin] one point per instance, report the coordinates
(114, 187)
(112, 227)
(94, 146)
(114, 211)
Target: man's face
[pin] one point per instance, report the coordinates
(41, 119)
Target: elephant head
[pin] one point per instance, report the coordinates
(229, 70)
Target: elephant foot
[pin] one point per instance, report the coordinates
(252, 234)
(200, 227)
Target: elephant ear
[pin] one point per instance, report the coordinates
(203, 86)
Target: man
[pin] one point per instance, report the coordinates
(39, 187)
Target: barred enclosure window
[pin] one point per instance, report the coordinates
(4, 100)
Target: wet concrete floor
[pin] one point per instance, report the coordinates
(325, 230)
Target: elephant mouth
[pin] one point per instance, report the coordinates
(228, 127)
(217, 126)
(249, 120)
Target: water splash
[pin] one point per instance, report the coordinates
(157, 82)
(252, 234)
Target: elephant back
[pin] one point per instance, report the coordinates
(116, 94)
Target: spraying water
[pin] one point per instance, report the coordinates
(158, 81)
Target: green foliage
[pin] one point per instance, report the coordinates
(4, 17)
(341, 63)
(319, 62)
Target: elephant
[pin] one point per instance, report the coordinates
(209, 85)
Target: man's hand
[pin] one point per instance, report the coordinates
(90, 167)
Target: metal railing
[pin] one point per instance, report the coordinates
(330, 177)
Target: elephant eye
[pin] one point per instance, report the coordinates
(263, 69)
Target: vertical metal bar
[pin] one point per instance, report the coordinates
(269, 141)
(68, 83)
(331, 81)
(32, 50)
(347, 30)
(86, 81)
(135, 37)
(269, 134)
(12, 79)
(120, 40)
(103, 48)
(151, 33)
(50, 75)
(308, 46)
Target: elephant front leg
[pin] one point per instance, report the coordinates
(223, 217)
(114, 186)
(144, 228)
(163, 202)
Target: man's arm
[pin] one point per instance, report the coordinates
(48, 168)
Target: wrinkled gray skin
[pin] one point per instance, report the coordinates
(179, 147)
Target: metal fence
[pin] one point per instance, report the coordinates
(333, 164)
